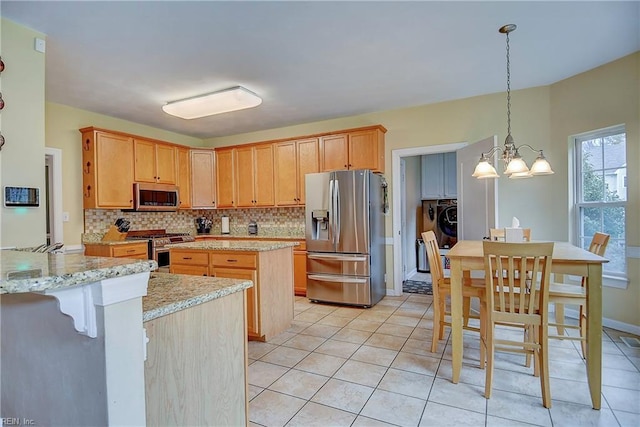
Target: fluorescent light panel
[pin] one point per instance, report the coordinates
(232, 99)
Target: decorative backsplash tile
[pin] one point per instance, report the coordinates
(271, 221)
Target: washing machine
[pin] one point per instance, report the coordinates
(441, 216)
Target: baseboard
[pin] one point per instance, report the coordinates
(606, 322)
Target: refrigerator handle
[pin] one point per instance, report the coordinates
(336, 214)
(332, 213)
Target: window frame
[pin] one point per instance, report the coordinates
(617, 278)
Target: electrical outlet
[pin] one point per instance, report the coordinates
(40, 45)
(65, 216)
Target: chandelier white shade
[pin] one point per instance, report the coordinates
(514, 165)
(224, 101)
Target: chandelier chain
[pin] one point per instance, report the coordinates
(508, 90)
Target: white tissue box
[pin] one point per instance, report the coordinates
(513, 235)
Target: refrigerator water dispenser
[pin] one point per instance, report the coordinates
(320, 224)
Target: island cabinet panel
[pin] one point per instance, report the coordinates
(183, 177)
(137, 250)
(225, 177)
(300, 269)
(196, 367)
(203, 182)
(252, 297)
(293, 160)
(107, 170)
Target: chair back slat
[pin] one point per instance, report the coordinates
(433, 255)
(599, 243)
(517, 276)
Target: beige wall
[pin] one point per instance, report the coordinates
(22, 157)
(62, 124)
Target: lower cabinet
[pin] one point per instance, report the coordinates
(269, 301)
(137, 250)
(300, 269)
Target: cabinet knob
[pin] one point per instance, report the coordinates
(345, 166)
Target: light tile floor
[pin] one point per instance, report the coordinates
(343, 366)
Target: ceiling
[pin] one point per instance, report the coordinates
(311, 61)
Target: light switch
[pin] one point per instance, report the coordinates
(40, 45)
(65, 216)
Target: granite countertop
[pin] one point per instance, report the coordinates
(248, 236)
(34, 272)
(168, 293)
(235, 245)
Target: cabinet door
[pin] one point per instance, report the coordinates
(450, 188)
(183, 177)
(244, 176)
(334, 153)
(264, 194)
(202, 177)
(286, 174)
(145, 167)
(432, 176)
(224, 178)
(300, 273)
(364, 150)
(114, 169)
(253, 295)
(308, 157)
(165, 164)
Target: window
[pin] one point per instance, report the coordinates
(601, 193)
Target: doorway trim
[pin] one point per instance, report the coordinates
(57, 230)
(396, 155)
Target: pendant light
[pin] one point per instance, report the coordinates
(514, 165)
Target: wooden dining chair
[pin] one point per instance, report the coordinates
(561, 294)
(441, 286)
(518, 298)
(497, 234)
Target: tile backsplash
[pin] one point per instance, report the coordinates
(290, 219)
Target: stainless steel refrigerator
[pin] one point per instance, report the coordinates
(345, 237)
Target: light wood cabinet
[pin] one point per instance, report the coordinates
(254, 177)
(269, 301)
(300, 269)
(356, 149)
(225, 177)
(183, 176)
(154, 162)
(203, 182)
(293, 160)
(107, 170)
(137, 250)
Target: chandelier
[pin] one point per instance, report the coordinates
(514, 165)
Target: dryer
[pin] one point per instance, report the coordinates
(441, 216)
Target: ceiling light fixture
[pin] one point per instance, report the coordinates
(514, 165)
(232, 99)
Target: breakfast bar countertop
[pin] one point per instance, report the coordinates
(235, 245)
(168, 293)
(23, 272)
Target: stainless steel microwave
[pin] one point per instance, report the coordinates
(155, 197)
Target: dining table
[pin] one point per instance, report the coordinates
(467, 256)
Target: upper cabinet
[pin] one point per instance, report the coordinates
(254, 178)
(154, 162)
(356, 149)
(107, 169)
(183, 176)
(293, 160)
(203, 182)
(439, 176)
(224, 177)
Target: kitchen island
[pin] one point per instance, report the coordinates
(196, 366)
(72, 348)
(268, 264)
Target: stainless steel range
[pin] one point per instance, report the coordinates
(158, 241)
